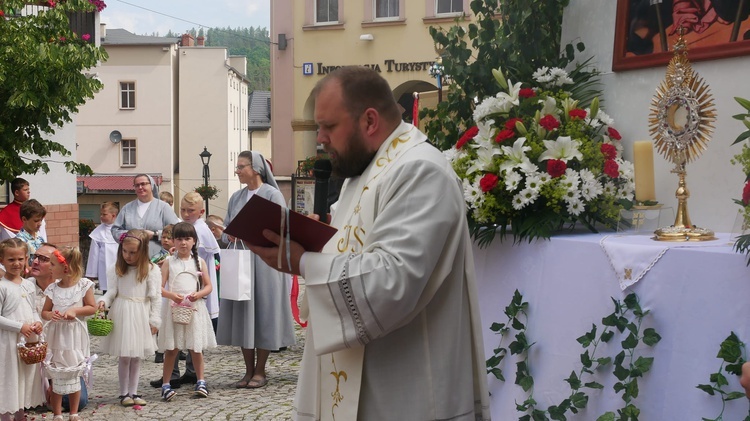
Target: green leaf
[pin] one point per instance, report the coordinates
(631, 390)
(741, 137)
(730, 350)
(526, 383)
(631, 301)
(579, 400)
(606, 336)
(586, 359)
(643, 364)
(603, 361)
(573, 381)
(650, 337)
(734, 395)
(718, 379)
(498, 373)
(630, 342)
(593, 385)
(607, 416)
(743, 102)
(621, 372)
(735, 369)
(538, 415)
(618, 387)
(496, 327)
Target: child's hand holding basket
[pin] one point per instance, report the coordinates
(99, 324)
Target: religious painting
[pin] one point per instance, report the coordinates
(646, 30)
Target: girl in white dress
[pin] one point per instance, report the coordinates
(184, 283)
(67, 339)
(134, 298)
(20, 383)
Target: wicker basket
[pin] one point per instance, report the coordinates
(32, 352)
(182, 314)
(66, 380)
(99, 324)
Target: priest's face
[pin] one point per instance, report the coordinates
(341, 135)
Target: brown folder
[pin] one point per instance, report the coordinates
(259, 214)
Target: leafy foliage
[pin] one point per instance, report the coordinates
(742, 244)
(731, 353)
(42, 84)
(207, 192)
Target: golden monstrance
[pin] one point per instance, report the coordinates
(681, 123)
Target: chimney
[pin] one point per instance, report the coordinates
(201, 41)
(187, 40)
(102, 30)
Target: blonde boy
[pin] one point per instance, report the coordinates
(166, 196)
(191, 210)
(103, 249)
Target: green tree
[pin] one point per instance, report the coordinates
(42, 82)
(518, 36)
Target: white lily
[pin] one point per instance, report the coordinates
(564, 149)
(516, 155)
(509, 99)
(549, 106)
(484, 159)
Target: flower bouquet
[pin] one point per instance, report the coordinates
(536, 161)
(742, 243)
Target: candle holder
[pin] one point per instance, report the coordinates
(681, 122)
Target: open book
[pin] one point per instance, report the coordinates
(259, 214)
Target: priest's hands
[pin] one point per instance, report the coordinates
(273, 255)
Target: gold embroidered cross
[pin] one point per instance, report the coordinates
(638, 219)
(628, 273)
(357, 208)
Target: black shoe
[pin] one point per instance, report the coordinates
(188, 379)
(174, 383)
(183, 356)
(159, 358)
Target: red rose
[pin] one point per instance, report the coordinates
(467, 136)
(488, 182)
(511, 124)
(2, 13)
(614, 134)
(611, 168)
(556, 168)
(746, 194)
(577, 113)
(504, 135)
(526, 93)
(549, 122)
(609, 151)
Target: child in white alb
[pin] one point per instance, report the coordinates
(103, 250)
(185, 282)
(68, 299)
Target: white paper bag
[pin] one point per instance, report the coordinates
(236, 274)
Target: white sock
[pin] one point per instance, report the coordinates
(123, 374)
(135, 374)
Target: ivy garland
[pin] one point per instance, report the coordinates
(731, 352)
(628, 315)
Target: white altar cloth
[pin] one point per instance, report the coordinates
(697, 295)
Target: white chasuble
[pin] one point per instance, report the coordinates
(393, 325)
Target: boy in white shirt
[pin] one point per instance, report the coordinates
(103, 249)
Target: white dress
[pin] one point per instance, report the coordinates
(20, 383)
(134, 307)
(198, 334)
(67, 340)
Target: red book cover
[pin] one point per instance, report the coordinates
(259, 214)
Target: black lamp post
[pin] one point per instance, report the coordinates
(205, 159)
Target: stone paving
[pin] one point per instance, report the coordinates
(224, 367)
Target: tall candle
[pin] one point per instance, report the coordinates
(643, 163)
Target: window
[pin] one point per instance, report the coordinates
(128, 153)
(385, 9)
(449, 6)
(326, 11)
(127, 95)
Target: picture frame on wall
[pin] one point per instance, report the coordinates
(646, 30)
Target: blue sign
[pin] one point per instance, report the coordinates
(307, 69)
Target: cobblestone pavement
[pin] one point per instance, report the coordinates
(224, 367)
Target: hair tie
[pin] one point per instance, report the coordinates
(60, 258)
(126, 235)
(122, 236)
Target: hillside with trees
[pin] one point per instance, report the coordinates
(253, 43)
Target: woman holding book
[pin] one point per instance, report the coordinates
(264, 323)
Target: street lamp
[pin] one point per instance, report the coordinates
(205, 159)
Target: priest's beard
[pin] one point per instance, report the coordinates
(355, 159)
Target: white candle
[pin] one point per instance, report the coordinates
(643, 163)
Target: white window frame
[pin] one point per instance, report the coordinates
(451, 13)
(386, 18)
(330, 21)
(128, 148)
(127, 88)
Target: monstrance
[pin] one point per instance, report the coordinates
(681, 123)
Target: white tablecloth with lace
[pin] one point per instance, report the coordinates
(697, 295)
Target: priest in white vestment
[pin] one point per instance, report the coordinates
(394, 329)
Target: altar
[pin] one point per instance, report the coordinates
(696, 294)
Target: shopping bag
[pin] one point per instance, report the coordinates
(237, 274)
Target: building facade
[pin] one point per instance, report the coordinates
(317, 36)
(163, 101)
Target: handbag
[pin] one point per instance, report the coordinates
(237, 273)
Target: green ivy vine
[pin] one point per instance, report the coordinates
(731, 352)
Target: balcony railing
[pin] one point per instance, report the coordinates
(80, 22)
